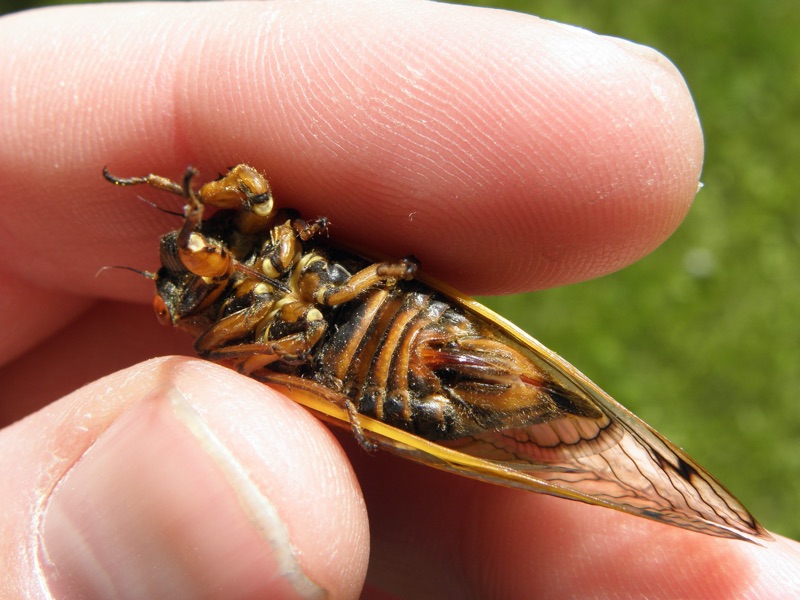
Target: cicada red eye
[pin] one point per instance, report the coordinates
(162, 311)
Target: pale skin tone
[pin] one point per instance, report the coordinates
(506, 153)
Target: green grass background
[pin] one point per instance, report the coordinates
(700, 339)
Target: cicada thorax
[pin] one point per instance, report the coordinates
(459, 387)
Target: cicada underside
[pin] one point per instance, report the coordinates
(409, 364)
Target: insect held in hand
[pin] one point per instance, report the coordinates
(409, 364)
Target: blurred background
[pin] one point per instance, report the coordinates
(700, 339)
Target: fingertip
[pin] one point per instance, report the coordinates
(177, 477)
(293, 458)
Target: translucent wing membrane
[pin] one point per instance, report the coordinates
(657, 482)
(620, 467)
(614, 457)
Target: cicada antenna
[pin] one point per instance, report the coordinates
(161, 208)
(146, 274)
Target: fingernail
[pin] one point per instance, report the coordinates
(158, 507)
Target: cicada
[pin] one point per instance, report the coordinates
(409, 364)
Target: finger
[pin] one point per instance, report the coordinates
(464, 538)
(506, 152)
(178, 479)
(28, 316)
(107, 337)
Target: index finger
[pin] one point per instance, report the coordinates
(506, 152)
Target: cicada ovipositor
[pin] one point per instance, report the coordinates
(410, 365)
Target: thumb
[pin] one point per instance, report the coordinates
(177, 478)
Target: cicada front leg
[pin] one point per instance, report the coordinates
(156, 181)
(242, 189)
(198, 254)
(246, 190)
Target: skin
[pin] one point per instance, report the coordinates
(507, 153)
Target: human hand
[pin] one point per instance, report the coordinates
(506, 152)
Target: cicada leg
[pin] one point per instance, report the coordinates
(246, 190)
(224, 332)
(242, 188)
(307, 230)
(156, 181)
(320, 282)
(286, 242)
(287, 330)
(285, 250)
(357, 429)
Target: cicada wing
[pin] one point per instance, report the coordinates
(616, 461)
(607, 454)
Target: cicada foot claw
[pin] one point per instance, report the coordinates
(358, 431)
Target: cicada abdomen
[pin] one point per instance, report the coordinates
(411, 365)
